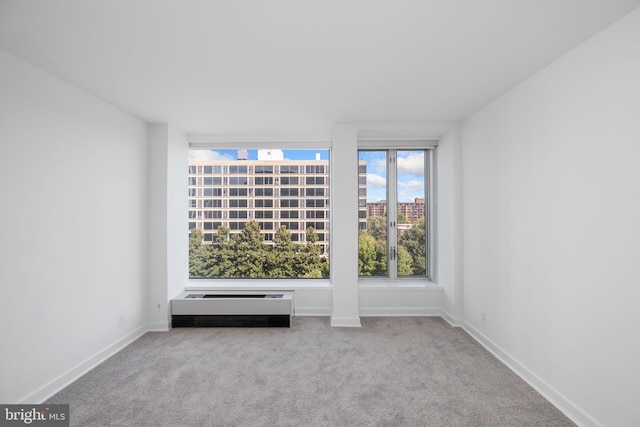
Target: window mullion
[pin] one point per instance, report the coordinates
(430, 200)
(392, 214)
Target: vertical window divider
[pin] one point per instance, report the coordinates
(392, 214)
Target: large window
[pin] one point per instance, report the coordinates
(262, 201)
(393, 213)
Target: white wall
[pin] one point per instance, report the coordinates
(449, 225)
(73, 177)
(552, 227)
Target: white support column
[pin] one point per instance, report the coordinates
(157, 217)
(344, 227)
(449, 225)
(168, 234)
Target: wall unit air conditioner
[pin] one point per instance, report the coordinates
(232, 309)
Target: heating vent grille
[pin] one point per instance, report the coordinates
(207, 309)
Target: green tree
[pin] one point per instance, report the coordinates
(405, 262)
(280, 258)
(309, 261)
(367, 255)
(195, 240)
(222, 234)
(381, 258)
(312, 236)
(246, 255)
(413, 241)
(196, 254)
(251, 235)
(221, 260)
(282, 238)
(377, 227)
(250, 252)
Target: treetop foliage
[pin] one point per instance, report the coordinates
(245, 255)
(372, 249)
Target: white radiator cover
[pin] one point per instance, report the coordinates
(233, 303)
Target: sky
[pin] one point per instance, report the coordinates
(253, 154)
(410, 172)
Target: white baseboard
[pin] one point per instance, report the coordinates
(571, 410)
(345, 322)
(313, 311)
(452, 320)
(54, 386)
(159, 327)
(399, 311)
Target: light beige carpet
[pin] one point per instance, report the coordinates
(410, 371)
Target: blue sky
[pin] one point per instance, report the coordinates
(288, 154)
(410, 167)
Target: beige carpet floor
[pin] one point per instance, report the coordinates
(403, 371)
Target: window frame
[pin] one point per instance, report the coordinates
(430, 148)
(302, 141)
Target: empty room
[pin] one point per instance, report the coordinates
(320, 213)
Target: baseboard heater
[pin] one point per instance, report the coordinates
(232, 309)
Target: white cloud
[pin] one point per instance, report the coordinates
(376, 181)
(408, 191)
(412, 186)
(208, 155)
(377, 165)
(412, 163)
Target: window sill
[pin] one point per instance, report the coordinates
(258, 284)
(398, 285)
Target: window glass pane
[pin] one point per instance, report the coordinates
(240, 203)
(208, 180)
(236, 229)
(311, 192)
(411, 206)
(238, 180)
(212, 214)
(289, 180)
(372, 241)
(264, 180)
(237, 169)
(263, 169)
(263, 203)
(289, 169)
(237, 191)
(392, 212)
(212, 203)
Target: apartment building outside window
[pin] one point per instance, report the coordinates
(267, 208)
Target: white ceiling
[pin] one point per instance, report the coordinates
(298, 65)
